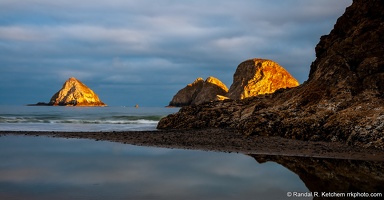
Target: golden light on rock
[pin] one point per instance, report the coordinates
(259, 76)
(199, 91)
(75, 93)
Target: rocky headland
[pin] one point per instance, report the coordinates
(342, 100)
(74, 93)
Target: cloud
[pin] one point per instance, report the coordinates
(19, 34)
(101, 42)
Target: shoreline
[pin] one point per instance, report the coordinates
(221, 140)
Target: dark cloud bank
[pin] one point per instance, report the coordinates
(143, 52)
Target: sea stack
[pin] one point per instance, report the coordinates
(259, 76)
(199, 92)
(75, 93)
(212, 88)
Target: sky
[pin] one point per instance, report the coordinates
(143, 52)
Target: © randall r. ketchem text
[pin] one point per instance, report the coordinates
(335, 194)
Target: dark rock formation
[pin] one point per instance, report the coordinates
(185, 96)
(211, 88)
(342, 100)
(259, 76)
(199, 91)
(39, 104)
(333, 175)
(75, 93)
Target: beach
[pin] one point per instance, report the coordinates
(221, 140)
(137, 126)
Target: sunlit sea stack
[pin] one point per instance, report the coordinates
(342, 100)
(75, 93)
(252, 77)
(259, 76)
(199, 91)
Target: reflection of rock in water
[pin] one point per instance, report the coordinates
(333, 175)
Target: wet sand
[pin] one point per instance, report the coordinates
(222, 140)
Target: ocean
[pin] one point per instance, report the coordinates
(61, 118)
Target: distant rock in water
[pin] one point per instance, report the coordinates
(342, 100)
(75, 93)
(259, 76)
(199, 91)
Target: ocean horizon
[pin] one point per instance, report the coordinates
(81, 119)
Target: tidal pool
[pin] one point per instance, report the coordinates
(59, 168)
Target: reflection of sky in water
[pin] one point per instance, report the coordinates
(45, 168)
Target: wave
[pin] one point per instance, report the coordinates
(52, 118)
(100, 120)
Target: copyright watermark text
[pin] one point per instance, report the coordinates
(335, 194)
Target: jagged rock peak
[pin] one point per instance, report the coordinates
(259, 76)
(186, 95)
(197, 81)
(351, 55)
(199, 91)
(212, 88)
(217, 82)
(75, 93)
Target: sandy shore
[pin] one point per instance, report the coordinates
(222, 140)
